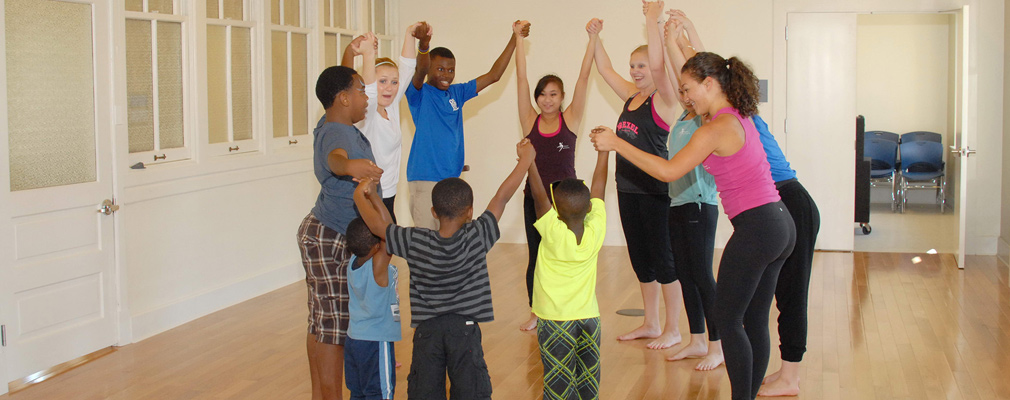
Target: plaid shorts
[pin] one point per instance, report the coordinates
(325, 256)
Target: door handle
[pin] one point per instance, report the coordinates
(108, 207)
(962, 152)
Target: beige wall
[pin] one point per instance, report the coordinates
(753, 30)
(1003, 249)
(902, 72)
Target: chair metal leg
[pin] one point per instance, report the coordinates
(943, 193)
(894, 197)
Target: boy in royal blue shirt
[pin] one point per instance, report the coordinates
(437, 151)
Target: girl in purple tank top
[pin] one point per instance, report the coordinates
(651, 106)
(552, 133)
(763, 237)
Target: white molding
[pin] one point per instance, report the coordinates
(152, 322)
(1003, 251)
(195, 183)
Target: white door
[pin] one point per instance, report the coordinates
(57, 267)
(820, 124)
(960, 150)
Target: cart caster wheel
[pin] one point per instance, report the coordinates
(866, 229)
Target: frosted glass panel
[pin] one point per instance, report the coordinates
(217, 89)
(233, 9)
(275, 12)
(51, 122)
(241, 83)
(170, 85)
(344, 40)
(326, 13)
(139, 89)
(135, 5)
(379, 8)
(299, 84)
(160, 6)
(340, 13)
(386, 48)
(330, 58)
(292, 12)
(280, 83)
(213, 10)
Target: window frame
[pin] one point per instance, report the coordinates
(256, 60)
(292, 139)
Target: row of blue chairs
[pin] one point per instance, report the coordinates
(913, 160)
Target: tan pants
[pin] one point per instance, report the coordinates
(420, 204)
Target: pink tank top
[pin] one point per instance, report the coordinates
(744, 179)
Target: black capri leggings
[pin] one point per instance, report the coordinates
(794, 280)
(532, 240)
(762, 239)
(692, 238)
(644, 219)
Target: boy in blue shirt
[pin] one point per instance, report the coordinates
(374, 306)
(437, 151)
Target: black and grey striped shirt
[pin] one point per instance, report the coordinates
(447, 275)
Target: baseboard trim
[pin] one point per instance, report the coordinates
(41, 376)
(153, 322)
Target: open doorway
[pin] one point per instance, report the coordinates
(906, 82)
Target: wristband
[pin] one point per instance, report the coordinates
(422, 52)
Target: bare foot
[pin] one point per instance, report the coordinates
(694, 349)
(710, 362)
(530, 324)
(772, 378)
(665, 341)
(780, 387)
(640, 333)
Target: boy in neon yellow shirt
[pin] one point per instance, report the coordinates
(572, 221)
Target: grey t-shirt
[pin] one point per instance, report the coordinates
(335, 204)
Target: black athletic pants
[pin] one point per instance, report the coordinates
(532, 240)
(763, 238)
(794, 280)
(389, 206)
(692, 238)
(644, 218)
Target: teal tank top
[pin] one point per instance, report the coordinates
(374, 310)
(696, 186)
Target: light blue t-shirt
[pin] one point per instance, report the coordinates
(781, 170)
(697, 186)
(437, 151)
(374, 310)
(335, 204)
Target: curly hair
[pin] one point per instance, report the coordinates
(331, 81)
(451, 197)
(738, 82)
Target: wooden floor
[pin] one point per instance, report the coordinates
(882, 326)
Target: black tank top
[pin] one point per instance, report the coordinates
(644, 129)
(555, 153)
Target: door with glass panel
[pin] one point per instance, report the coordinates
(57, 265)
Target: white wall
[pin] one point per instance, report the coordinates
(1003, 248)
(902, 72)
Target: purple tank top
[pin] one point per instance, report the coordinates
(555, 153)
(744, 179)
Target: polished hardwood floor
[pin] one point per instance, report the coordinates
(882, 326)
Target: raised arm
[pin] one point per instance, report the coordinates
(675, 59)
(702, 143)
(527, 115)
(657, 60)
(414, 32)
(366, 48)
(351, 51)
(511, 183)
(423, 60)
(500, 64)
(372, 211)
(692, 33)
(573, 115)
(621, 86)
(358, 168)
(598, 189)
(541, 203)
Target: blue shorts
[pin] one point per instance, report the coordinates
(369, 369)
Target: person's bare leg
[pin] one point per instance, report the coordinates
(713, 359)
(787, 382)
(330, 358)
(530, 324)
(673, 298)
(650, 328)
(310, 347)
(696, 348)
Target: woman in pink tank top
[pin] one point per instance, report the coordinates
(729, 148)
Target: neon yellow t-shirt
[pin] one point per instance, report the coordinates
(564, 284)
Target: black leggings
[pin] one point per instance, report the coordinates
(644, 219)
(388, 202)
(532, 241)
(692, 238)
(794, 279)
(762, 239)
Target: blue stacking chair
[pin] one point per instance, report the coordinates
(891, 136)
(921, 136)
(922, 167)
(883, 154)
